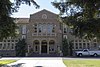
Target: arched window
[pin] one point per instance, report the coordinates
(44, 42)
(51, 45)
(36, 44)
(51, 42)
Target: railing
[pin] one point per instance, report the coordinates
(39, 34)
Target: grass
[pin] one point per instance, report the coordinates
(82, 63)
(4, 62)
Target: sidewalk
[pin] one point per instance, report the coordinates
(38, 62)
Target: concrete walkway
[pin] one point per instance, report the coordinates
(37, 62)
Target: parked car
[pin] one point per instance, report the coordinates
(87, 52)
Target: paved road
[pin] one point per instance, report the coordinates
(37, 62)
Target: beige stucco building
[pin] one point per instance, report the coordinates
(43, 33)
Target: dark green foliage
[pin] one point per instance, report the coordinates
(66, 48)
(21, 48)
(83, 16)
(7, 25)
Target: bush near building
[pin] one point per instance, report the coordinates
(21, 48)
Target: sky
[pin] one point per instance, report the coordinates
(25, 10)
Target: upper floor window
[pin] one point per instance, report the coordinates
(35, 28)
(50, 28)
(44, 28)
(65, 30)
(24, 29)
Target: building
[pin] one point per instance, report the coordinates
(43, 33)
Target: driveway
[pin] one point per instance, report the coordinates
(37, 62)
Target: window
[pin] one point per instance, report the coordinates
(95, 44)
(35, 28)
(76, 45)
(12, 40)
(36, 47)
(0, 46)
(40, 26)
(51, 45)
(12, 46)
(53, 30)
(50, 28)
(84, 45)
(65, 30)
(4, 46)
(80, 45)
(16, 40)
(8, 40)
(75, 40)
(23, 36)
(24, 29)
(36, 43)
(83, 40)
(88, 45)
(8, 46)
(94, 40)
(79, 40)
(4, 40)
(65, 36)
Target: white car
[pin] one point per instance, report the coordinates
(86, 52)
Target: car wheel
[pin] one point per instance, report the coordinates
(80, 55)
(95, 55)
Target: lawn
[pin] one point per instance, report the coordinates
(82, 63)
(4, 62)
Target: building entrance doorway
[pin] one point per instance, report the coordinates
(44, 46)
(44, 49)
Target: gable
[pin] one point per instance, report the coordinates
(44, 14)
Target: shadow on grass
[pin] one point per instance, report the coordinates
(1, 65)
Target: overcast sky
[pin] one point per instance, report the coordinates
(25, 10)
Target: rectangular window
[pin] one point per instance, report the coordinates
(8, 40)
(95, 44)
(35, 28)
(12, 40)
(4, 46)
(76, 45)
(51, 47)
(84, 45)
(65, 30)
(80, 45)
(4, 40)
(88, 45)
(8, 46)
(0, 46)
(24, 29)
(12, 46)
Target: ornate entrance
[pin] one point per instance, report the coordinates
(44, 46)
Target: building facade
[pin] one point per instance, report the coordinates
(43, 33)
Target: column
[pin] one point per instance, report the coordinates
(40, 49)
(47, 48)
(28, 48)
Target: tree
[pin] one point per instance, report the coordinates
(67, 47)
(7, 25)
(82, 16)
(21, 48)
